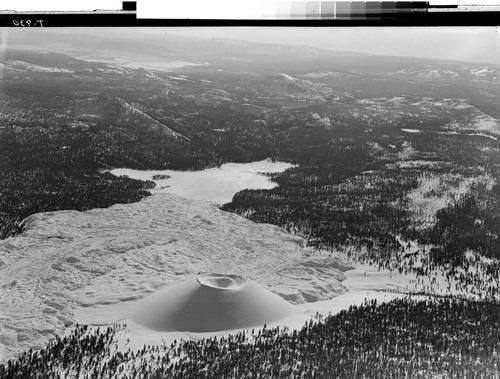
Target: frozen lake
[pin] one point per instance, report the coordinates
(217, 185)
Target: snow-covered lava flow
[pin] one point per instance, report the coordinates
(209, 303)
(92, 267)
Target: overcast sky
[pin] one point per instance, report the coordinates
(481, 45)
(478, 45)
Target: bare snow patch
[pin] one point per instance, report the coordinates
(407, 151)
(25, 66)
(486, 123)
(411, 131)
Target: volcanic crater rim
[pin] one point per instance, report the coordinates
(222, 281)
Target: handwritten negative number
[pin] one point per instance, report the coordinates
(28, 23)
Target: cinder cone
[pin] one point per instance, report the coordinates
(211, 303)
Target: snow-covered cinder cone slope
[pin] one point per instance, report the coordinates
(209, 303)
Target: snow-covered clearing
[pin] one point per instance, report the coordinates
(30, 67)
(411, 130)
(217, 185)
(480, 124)
(486, 123)
(436, 191)
(133, 60)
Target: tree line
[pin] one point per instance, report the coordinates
(404, 338)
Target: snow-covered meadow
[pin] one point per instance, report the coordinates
(217, 185)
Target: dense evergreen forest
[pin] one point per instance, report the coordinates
(404, 338)
(355, 199)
